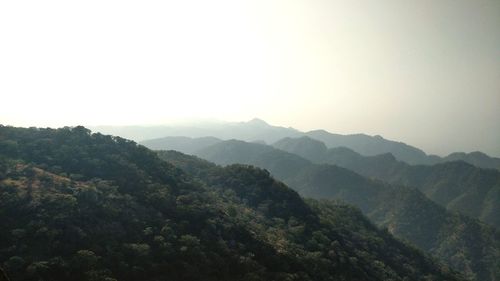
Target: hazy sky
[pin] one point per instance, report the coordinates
(426, 72)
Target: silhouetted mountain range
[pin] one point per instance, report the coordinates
(253, 130)
(258, 130)
(373, 145)
(455, 185)
(476, 158)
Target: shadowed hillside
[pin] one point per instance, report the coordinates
(464, 243)
(457, 186)
(83, 206)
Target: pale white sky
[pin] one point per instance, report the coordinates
(426, 72)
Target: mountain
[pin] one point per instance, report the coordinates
(457, 186)
(253, 130)
(476, 158)
(257, 130)
(305, 147)
(372, 145)
(282, 165)
(82, 206)
(376, 145)
(185, 144)
(464, 243)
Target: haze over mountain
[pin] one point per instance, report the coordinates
(422, 72)
(379, 156)
(184, 144)
(259, 130)
(475, 158)
(253, 130)
(464, 243)
(455, 185)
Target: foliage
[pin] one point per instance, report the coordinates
(458, 186)
(83, 206)
(463, 243)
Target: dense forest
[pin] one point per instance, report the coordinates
(465, 244)
(82, 206)
(457, 185)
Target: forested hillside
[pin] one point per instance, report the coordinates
(466, 244)
(458, 186)
(83, 206)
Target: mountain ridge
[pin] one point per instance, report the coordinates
(259, 130)
(456, 185)
(82, 206)
(377, 200)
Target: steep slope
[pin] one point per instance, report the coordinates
(466, 244)
(334, 213)
(83, 206)
(406, 212)
(457, 186)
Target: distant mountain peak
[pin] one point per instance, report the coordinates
(478, 153)
(322, 131)
(257, 121)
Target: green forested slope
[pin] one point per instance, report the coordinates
(458, 186)
(81, 206)
(466, 244)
